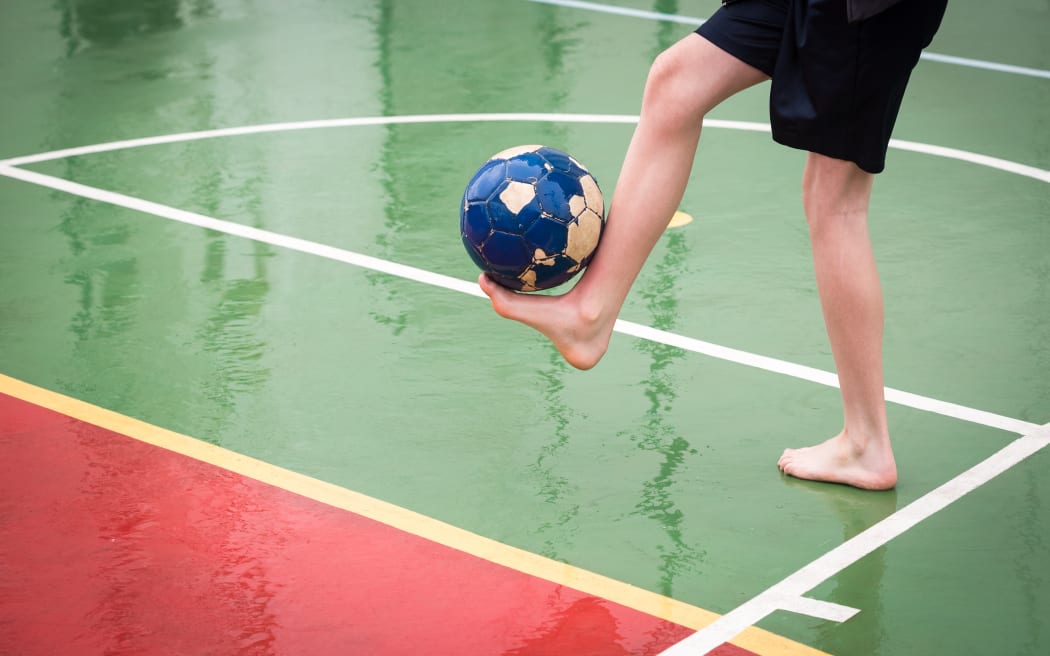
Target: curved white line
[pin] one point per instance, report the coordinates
(787, 594)
(625, 11)
(973, 158)
(986, 65)
(802, 372)
(696, 22)
(928, 149)
(314, 125)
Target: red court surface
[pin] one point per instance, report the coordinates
(112, 545)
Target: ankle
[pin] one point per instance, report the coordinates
(587, 311)
(866, 445)
(867, 430)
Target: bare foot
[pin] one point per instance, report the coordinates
(580, 336)
(839, 460)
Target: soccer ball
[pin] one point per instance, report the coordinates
(531, 217)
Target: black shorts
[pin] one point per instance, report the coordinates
(837, 86)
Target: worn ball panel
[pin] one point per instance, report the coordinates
(517, 150)
(577, 204)
(527, 167)
(532, 217)
(485, 182)
(548, 273)
(475, 223)
(592, 195)
(561, 160)
(583, 236)
(548, 235)
(510, 282)
(475, 254)
(514, 208)
(506, 253)
(554, 192)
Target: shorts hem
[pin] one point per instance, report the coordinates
(800, 142)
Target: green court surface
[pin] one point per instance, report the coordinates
(657, 468)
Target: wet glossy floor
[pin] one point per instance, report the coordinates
(186, 558)
(657, 468)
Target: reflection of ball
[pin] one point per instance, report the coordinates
(531, 217)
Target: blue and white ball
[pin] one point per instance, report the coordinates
(532, 217)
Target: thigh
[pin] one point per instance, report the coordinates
(693, 76)
(750, 30)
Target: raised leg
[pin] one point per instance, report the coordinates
(685, 82)
(835, 196)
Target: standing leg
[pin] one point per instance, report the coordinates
(835, 197)
(685, 82)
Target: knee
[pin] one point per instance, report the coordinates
(662, 73)
(666, 98)
(835, 193)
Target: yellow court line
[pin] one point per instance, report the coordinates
(753, 639)
(679, 219)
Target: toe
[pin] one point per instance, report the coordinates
(500, 296)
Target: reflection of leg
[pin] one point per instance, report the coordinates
(861, 584)
(835, 197)
(685, 82)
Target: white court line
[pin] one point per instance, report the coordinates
(785, 594)
(1042, 175)
(898, 144)
(986, 65)
(741, 357)
(796, 602)
(824, 610)
(247, 232)
(696, 22)
(439, 280)
(331, 123)
(822, 377)
(625, 11)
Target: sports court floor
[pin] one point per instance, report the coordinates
(251, 403)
